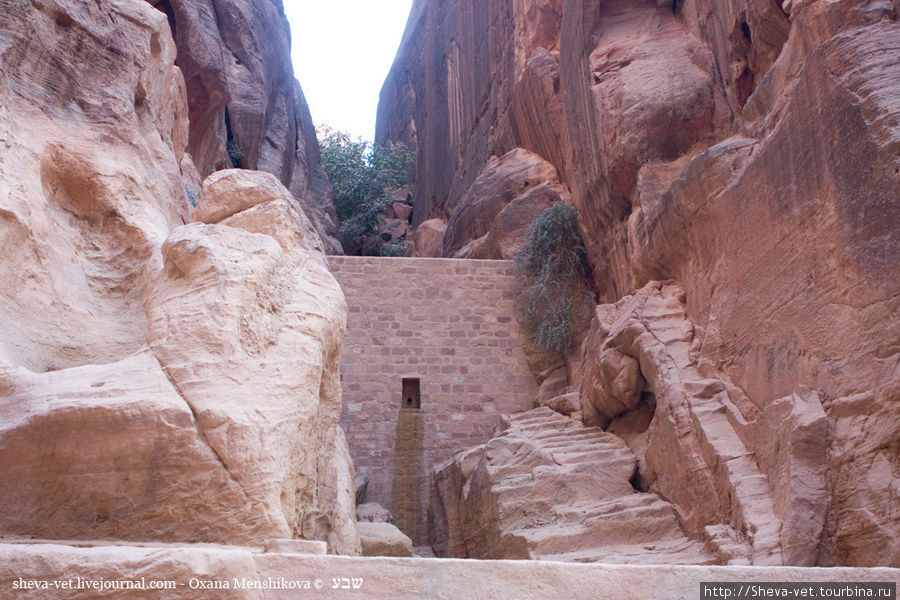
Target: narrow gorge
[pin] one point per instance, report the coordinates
(198, 388)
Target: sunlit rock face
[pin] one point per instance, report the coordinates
(246, 108)
(168, 361)
(743, 151)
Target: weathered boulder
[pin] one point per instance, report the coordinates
(265, 206)
(394, 229)
(279, 318)
(566, 404)
(645, 114)
(547, 487)
(613, 381)
(113, 451)
(194, 460)
(234, 190)
(372, 512)
(402, 211)
(428, 239)
(490, 220)
(383, 539)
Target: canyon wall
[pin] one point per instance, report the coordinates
(168, 360)
(246, 109)
(742, 159)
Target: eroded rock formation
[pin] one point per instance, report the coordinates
(383, 539)
(754, 491)
(158, 381)
(507, 196)
(246, 108)
(744, 151)
(694, 443)
(548, 487)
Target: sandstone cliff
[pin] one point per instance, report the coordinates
(159, 381)
(745, 152)
(246, 109)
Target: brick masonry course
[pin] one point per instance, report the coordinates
(451, 325)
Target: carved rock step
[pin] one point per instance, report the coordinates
(668, 552)
(548, 487)
(631, 521)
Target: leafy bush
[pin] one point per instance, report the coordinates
(359, 233)
(359, 174)
(395, 248)
(553, 279)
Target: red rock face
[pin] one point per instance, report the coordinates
(246, 108)
(746, 150)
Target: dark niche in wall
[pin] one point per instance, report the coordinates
(411, 397)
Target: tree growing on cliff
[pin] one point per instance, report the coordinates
(360, 173)
(553, 295)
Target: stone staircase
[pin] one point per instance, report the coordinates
(753, 535)
(548, 487)
(698, 449)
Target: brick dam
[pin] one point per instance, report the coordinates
(431, 360)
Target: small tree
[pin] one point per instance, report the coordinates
(553, 293)
(359, 174)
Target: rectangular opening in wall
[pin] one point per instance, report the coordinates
(411, 396)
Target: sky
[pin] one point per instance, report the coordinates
(342, 52)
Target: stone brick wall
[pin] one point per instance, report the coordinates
(448, 323)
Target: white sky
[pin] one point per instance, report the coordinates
(342, 52)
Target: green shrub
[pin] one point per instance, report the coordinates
(395, 248)
(553, 295)
(359, 174)
(359, 233)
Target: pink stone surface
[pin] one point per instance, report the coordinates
(448, 323)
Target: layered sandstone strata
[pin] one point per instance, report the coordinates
(158, 381)
(747, 152)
